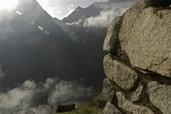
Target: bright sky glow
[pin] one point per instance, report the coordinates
(8, 5)
(61, 8)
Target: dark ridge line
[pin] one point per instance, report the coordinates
(115, 103)
(153, 76)
(145, 101)
(115, 99)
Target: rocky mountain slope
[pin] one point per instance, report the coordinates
(138, 63)
(34, 47)
(41, 64)
(90, 37)
(96, 8)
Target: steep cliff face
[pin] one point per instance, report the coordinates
(33, 46)
(138, 66)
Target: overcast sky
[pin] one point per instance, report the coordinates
(61, 8)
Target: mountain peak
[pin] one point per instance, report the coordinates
(83, 13)
(79, 7)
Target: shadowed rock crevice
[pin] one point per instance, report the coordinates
(122, 74)
(154, 3)
(145, 101)
(115, 103)
(153, 76)
(112, 43)
(158, 3)
(139, 61)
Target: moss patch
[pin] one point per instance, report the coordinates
(95, 106)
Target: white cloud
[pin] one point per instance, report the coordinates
(22, 100)
(67, 29)
(53, 7)
(17, 100)
(108, 14)
(42, 109)
(65, 91)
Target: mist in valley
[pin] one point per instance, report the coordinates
(44, 60)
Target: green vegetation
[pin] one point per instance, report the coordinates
(95, 106)
(85, 109)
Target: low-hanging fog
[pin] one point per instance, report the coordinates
(44, 61)
(37, 98)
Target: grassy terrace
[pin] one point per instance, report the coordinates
(94, 106)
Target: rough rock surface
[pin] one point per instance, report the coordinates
(139, 59)
(111, 40)
(160, 96)
(111, 109)
(108, 90)
(130, 107)
(145, 36)
(120, 73)
(136, 96)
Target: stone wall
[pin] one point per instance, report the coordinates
(138, 63)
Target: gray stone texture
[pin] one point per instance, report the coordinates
(120, 73)
(108, 91)
(136, 96)
(111, 109)
(160, 96)
(111, 43)
(145, 36)
(130, 107)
